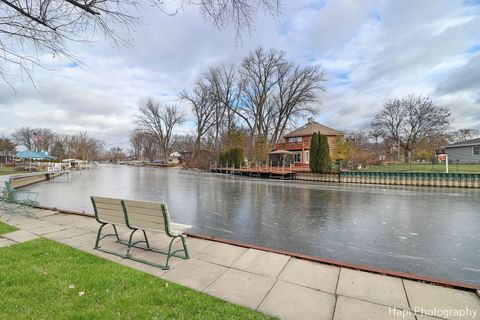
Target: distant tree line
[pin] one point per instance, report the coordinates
(62, 146)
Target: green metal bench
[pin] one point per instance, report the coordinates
(13, 200)
(139, 215)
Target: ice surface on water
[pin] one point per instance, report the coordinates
(409, 229)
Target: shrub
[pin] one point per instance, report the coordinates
(231, 157)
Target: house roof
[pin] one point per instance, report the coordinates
(472, 142)
(29, 154)
(312, 127)
(281, 152)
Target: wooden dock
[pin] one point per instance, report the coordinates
(271, 172)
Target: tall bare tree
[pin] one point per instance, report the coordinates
(297, 94)
(410, 119)
(224, 89)
(258, 74)
(160, 121)
(49, 25)
(203, 107)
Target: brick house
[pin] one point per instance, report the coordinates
(298, 141)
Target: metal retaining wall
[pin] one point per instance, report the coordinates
(25, 180)
(460, 180)
(323, 177)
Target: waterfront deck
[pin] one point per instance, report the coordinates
(273, 283)
(262, 171)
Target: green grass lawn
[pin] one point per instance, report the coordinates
(414, 167)
(5, 228)
(6, 170)
(43, 279)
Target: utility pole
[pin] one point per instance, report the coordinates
(446, 161)
(398, 151)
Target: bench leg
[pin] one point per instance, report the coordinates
(146, 239)
(98, 235)
(173, 254)
(116, 233)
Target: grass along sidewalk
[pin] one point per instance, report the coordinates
(5, 228)
(43, 279)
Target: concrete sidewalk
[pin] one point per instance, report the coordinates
(275, 284)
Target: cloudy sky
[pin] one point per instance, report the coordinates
(372, 50)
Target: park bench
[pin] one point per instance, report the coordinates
(139, 216)
(12, 200)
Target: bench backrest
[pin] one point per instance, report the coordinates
(147, 215)
(11, 193)
(108, 210)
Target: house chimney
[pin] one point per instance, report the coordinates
(310, 120)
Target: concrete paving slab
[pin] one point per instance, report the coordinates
(44, 213)
(20, 236)
(195, 274)
(372, 287)
(82, 241)
(195, 245)
(421, 317)
(156, 257)
(27, 223)
(65, 219)
(430, 297)
(67, 233)
(310, 274)
(261, 262)
(348, 309)
(221, 253)
(240, 287)
(290, 301)
(6, 242)
(43, 230)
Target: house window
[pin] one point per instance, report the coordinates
(295, 139)
(298, 157)
(307, 156)
(476, 150)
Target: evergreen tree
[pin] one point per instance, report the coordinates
(324, 162)
(314, 153)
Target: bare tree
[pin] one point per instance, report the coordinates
(49, 25)
(43, 139)
(24, 137)
(225, 94)
(410, 119)
(160, 121)
(463, 135)
(296, 95)
(136, 141)
(258, 80)
(203, 107)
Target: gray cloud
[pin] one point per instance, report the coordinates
(371, 50)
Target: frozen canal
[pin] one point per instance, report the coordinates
(429, 232)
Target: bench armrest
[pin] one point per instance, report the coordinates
(178, 228)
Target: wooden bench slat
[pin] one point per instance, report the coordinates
(142, 204)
